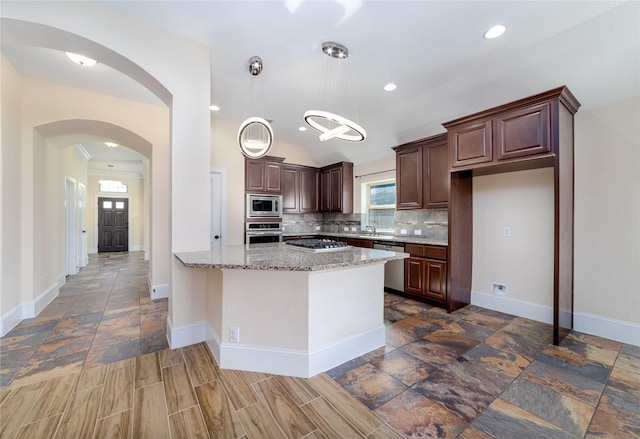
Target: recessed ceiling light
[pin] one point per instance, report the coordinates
(214, 108)
(302, 129)
(111, 144)
(390, 87)
(81, 59)
(495, 32)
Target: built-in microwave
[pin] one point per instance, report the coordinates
(264, 206)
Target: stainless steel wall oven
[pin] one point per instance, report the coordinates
(260, 233)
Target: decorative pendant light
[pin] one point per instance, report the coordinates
(255, 135)
(331, 125)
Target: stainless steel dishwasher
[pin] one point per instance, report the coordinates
(393, 270)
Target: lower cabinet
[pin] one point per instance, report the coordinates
(354, 242)
(426, 271)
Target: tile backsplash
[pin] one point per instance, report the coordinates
(430, 224)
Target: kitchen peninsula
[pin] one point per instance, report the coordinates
(279, 309)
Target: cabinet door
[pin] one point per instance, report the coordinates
(436, 167)
(290, 190)
(308, 179)
(272, 177)
(523, 132)
(254, 176)
(335, 190)
(413, 275)
(325, 191)
(470, 144)
(435, 276)
(409, 178)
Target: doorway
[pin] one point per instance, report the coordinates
(70, 266)
(218, 181)
(113, 225)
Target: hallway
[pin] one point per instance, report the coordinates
(102, 315)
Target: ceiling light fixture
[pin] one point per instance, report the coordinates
(390, 87)
(329, 124)
(495, 32)
(214, 108)
(255, 135)
(111, 144)
(81, 59)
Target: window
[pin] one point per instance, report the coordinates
(112, 186)
(381, 204)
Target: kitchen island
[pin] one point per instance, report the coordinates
(278, 309)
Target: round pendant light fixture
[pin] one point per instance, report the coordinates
(255, 135)
(327, 123)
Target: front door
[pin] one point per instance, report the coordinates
(113, 225)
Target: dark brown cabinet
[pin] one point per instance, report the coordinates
(263, 175)
(336, 188)
(533, 132)
(299, 189)
(355, 242)
(522, 133)
(422, 174)
(426, 272)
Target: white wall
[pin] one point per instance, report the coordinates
(10, 197)
(522, 201)
(607, 212)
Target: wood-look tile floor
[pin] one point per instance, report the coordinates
(475, 373)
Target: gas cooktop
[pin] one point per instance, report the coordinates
(318, 245)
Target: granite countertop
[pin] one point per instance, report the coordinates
(413, 239)
(283, 257)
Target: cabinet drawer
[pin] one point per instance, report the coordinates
(426, 251)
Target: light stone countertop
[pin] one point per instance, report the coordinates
(283, 257)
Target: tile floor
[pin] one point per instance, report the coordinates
(95, 363)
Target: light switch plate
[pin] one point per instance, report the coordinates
(418, 232)
(403, 231)
(317, 227)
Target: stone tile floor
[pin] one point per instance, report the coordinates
(475, 373)
(478, 373)
(102, 315)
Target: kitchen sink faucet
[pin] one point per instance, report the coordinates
(371, 230)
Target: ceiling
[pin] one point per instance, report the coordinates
(433, 50)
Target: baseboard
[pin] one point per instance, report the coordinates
(158, 291)
(92, 250)
(136, 248)
(30, 309)
(600, 326)
(520, 308)
(618, 330)
(293, 362)
(186, 335)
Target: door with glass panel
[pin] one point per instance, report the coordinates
(113, 225)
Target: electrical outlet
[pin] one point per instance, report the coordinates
(507, 231)
(317, 227)
(403, 231)
(346, 229)
(354, 229)
(417, 232)
(499, 289)
(234, 334)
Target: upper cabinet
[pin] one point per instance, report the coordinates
(299, 189)
(263, 175)
(513, 136)
(336, 188)
(422, 174)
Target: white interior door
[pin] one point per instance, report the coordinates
(70, 266)
(218, 207)
(81, 254)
